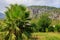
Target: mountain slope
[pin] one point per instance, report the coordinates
(37, 10)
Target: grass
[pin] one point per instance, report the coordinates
(45, 36)
(40, 36)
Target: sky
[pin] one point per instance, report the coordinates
(5, 3)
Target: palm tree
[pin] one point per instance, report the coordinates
(17, 22)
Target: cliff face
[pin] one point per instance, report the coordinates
(37, 10)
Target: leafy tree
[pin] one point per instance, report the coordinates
(17, 22)
(44, 22)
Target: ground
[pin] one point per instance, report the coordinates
(41, 36)
(45, 36)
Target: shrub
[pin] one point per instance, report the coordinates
(34, 27)
(44, 22)
(51, 29)
(58, 27)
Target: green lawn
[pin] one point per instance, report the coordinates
(45, 36)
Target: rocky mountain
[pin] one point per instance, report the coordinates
(37, 10)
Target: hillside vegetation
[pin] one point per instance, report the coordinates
(30, 23)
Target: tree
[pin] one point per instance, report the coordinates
(44, 22)
(17, 22)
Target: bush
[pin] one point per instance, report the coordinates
(44, 22)
(51, 29)
(58, 27)
(34, 27)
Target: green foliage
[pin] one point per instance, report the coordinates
(17, 22)
(57, 27)
(51, 29)
(34, 25)
(15, 11)
(44, 22)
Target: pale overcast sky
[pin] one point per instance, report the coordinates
(4, 3)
